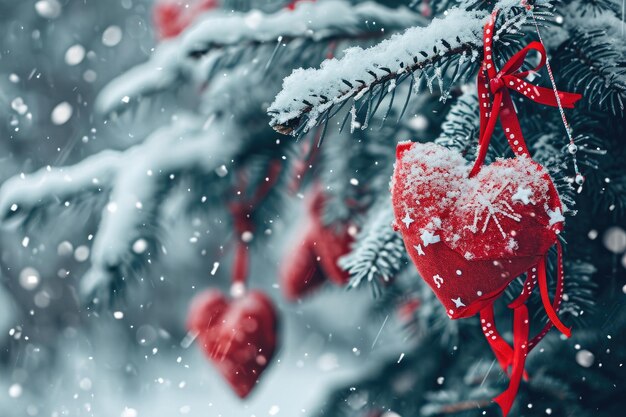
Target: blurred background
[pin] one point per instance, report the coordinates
(59, 358)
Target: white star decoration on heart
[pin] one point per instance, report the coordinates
(407, 220)
(429, 238)
(419, 250)
(523, 195)
(457, 302)
(555, 216)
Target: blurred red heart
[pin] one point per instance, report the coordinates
(239, 335)
(469, 237)
(315, 259)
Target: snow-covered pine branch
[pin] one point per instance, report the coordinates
(378, 254)
(317, 21)
(443, 53)
(145, 171)
(162, 71)
(136, 179)
(218, 41)
(308, 94)
(24, 193)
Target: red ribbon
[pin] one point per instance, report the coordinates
(495, 100)
(516, 355)
(242, 222)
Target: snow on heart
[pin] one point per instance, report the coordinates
(480, 217)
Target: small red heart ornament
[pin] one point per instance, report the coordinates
(301, 272)
(470, 237)
(238, 335)
(315, 259)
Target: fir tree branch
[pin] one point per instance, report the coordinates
(379, 251)
(448, 48)
(24, 193)
(137, 189)
(592, 61)
(461, 127)
(162, 71)
(137, 178)
(309, 94)
(317, 21)
(221, 41)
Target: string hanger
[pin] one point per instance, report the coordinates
(241, 212)
(572, 148)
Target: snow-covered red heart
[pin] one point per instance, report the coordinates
(239, 335)
(470, 237)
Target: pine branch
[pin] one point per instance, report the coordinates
(592, 61)
(379, 252)
(593, 8)
(222, 41)
(461, 127)
(139, 178)
(144, 176)
(309, 94)
(449, 48)
(24, 193)
(317, 21)
(163, 71)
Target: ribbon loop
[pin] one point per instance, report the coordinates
(495, 102)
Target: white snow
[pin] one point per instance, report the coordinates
(112, 36)
(61, 113)
(74, 55)
(158, 73)
(217, 29)
(49, 9)
(183, 145)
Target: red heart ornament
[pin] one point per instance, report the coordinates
(470, 237)
(239, 335)
(316, 258)
(301, 273)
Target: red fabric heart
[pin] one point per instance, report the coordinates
(239, 335)
(470, 237)
(315, 259)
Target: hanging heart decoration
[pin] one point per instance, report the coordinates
(238, 336)
(315, 259)
(471, 230)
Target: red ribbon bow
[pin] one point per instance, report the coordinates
(495, 99)
(496, 104)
